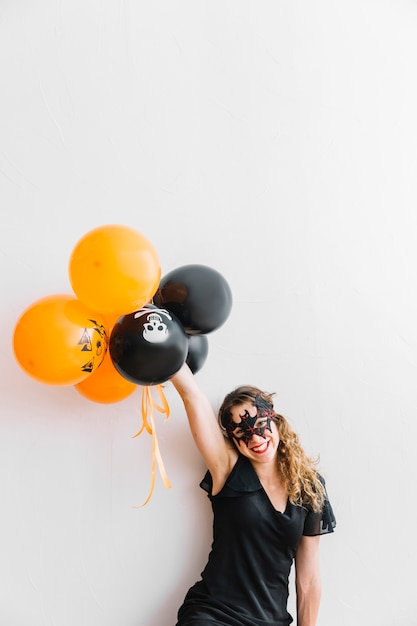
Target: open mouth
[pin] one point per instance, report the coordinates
(261, 448)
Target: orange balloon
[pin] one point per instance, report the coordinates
(114, 269)
(106, 385)
(110, 320)
(58, 340)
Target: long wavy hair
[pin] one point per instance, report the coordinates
(298, 470)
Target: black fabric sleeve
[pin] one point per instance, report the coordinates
(320, 523)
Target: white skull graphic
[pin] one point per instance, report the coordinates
(154, 329)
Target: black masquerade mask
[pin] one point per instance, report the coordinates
(249, 425)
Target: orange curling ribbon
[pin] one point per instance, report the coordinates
(148, 424)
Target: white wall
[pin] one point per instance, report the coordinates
(276, 142)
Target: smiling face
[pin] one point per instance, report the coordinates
(253, 430)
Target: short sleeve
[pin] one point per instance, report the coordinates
(322, 522)
(207, 483)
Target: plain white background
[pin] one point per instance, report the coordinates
(275, 141)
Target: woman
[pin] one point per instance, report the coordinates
(270, 507)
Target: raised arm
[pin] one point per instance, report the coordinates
(217, 453)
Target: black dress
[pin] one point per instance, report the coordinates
(245, 581)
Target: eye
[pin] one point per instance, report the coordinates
(262, 423)
(238, 432)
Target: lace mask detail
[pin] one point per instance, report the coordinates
(249, 426)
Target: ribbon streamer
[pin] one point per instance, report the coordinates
(148, 424)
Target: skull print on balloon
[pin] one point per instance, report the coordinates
(148, 346)
(154, 329)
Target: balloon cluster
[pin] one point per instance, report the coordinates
(124, 326)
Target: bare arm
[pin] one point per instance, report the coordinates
(307, 581)
(218, 455)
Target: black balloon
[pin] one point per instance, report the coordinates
(149, 346)
(197, 352)
(198, 295)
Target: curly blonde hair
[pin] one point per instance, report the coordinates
(298, 471)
